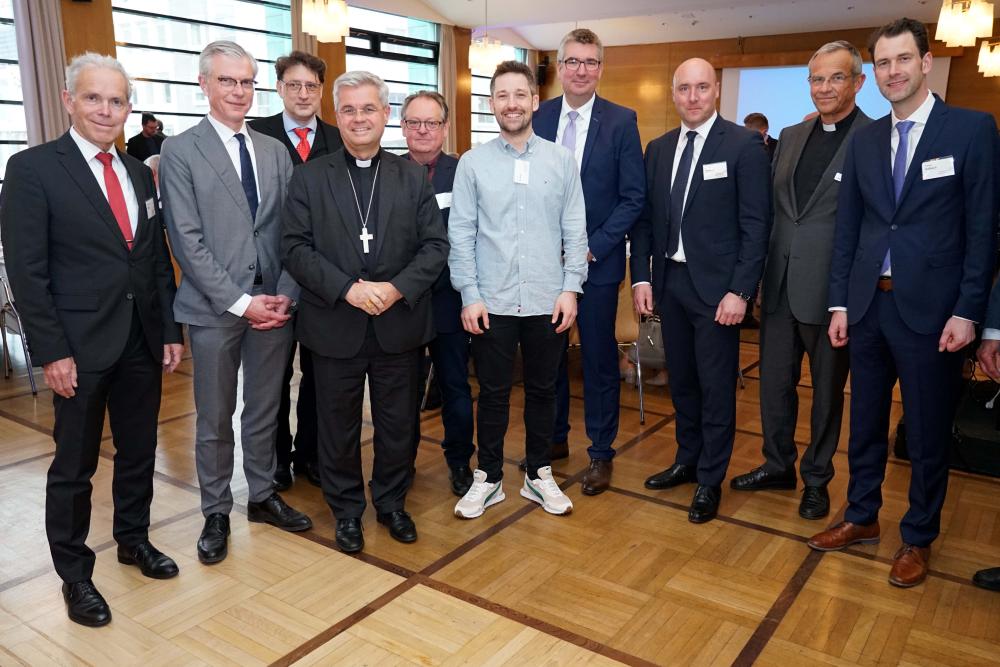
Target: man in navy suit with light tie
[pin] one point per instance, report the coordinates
(910, 277)
(706, 227)
(604, 138)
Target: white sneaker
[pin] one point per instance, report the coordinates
(480, 495)
(546, 492)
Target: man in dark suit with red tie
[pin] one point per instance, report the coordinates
(910, 278)
(305, 135)
(91, 274)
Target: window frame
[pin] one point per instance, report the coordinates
(13, 103)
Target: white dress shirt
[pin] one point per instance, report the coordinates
(291, 125)
(232, 146)
(582, 126)
(90, 152)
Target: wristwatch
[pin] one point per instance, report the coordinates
(745, 297)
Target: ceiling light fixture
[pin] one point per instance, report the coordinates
(962, 22)
(485, 53)
(326, 19)
(989, 58)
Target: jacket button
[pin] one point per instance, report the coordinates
(893, 227)
(129, 296)
(256, 233)
(251, 267)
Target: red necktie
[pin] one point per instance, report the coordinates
(303, 147)
(116, 198)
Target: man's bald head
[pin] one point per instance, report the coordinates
(695, 91)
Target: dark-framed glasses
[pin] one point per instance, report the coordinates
(573, 64)
(414, 124)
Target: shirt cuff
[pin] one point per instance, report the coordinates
(964, 319)
(241, 305)
(641, 282)
(572, 282)
(470, 295)
(837, 309)
(991, 334)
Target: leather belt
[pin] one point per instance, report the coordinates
(885, 283)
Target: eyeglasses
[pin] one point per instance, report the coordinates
(228, 83)
(414, 124)
(93, 100)
(573, 64)
(295, 86)
(835, 80)
(366, 111)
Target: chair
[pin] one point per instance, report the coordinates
(627, 334)
(7, 310)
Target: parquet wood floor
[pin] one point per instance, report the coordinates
(625, 579)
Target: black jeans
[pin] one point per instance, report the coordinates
(493, 353)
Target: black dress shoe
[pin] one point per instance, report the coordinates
(85, 604)
(461, 479)
(278, 513)
(675, 475)
(815, 503)
(312, 474)
(283, 478)
(350, 539)
(150, 560)
(705, 505)
(759, 479)
(988, 579)
(213, 543)
(401, 526)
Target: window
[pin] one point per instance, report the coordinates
(159, 42)
(484, 123)
(403, 51)
(13, 130)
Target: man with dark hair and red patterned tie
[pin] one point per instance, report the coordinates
(300, 85)
(93, 282)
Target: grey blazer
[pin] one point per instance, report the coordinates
(213, 238)
(802, 233)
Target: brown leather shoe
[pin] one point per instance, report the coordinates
(844, 534)
(909, 566)
(598, 477)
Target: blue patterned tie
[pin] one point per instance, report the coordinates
(246, 176)
(677, 192)
(898, 172)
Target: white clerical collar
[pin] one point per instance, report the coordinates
(831, 127)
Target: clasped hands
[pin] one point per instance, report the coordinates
(371, 297)
(268, 311)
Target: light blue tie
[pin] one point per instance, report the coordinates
(569, 134)
(898, 172)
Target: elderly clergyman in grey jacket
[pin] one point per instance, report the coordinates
(223, 187)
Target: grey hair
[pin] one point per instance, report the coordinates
(430, 95)
(358, 78)
(91, 59)
(841, 45)
(225, 48)
(580, 36)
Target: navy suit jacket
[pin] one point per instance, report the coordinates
(326, 141)
(727, 221)
(941, 232)
(447, 302)
(614, 187)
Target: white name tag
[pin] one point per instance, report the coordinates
(939, 167)
(710, 172)
(444, 200)
(150, 207)
(837, 177)
(521, 168)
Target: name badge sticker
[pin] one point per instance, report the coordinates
(443, 200)
(837, 177)
(710, 172)
(150, 207)
(521, 168)
(938, 167)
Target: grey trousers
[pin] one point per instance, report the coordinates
(218, 353)
(783, 341)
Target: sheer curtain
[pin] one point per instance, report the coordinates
(39, 34)
(447, 82)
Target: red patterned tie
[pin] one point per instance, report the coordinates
(303, 147)
(116, 198)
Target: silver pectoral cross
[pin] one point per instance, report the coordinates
(365, 238)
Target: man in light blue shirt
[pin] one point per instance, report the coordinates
(519, 258)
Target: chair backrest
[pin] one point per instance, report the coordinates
(626, 319)
(7, 306)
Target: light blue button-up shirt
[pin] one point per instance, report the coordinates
(517, 246)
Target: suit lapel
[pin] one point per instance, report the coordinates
(78, 169)
(592, 129)
(387, 174)
(139, 189)
(343, 197)
(671, 152)
(211, 148)
(883, 153)
(546, 124)
(712, 143)
(838, 159)
(935, 122)
(265, 166)
(796, 144)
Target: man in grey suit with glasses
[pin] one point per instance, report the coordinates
(223, 187)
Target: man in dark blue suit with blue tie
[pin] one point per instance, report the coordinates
(604, 138)
(706, 227)
(910, 277)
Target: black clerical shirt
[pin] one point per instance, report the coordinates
(819, 150)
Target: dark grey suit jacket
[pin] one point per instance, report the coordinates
(802, 233)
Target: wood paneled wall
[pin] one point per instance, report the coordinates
(639, 76)
(462, 113)
(88, 26)
(335, 55)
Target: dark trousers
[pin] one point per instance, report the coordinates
(340, 387)
(783, 342)
(596, 315)
(883, 348)
(493, 353)
(130, 390)
(702, 365)
(305, 413)
(450, 355)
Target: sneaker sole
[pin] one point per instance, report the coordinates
(500, 497)
(533, 498)
(867, 540)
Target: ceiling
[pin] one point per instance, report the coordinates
(540, 24)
